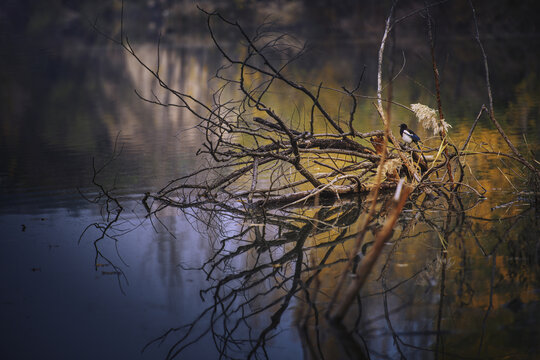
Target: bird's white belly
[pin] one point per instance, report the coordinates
(406, 138)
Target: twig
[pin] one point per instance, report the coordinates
(442, 133)
(491, 112)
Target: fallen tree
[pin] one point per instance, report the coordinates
(260, 160)
(260, 157)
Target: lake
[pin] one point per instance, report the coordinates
(460, 277)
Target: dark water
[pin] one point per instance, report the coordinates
(463, 276)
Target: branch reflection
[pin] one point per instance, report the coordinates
(432, 294)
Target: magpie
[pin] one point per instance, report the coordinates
(409, 136)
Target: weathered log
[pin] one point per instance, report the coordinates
(329, 193)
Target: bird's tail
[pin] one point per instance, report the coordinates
(422, 153)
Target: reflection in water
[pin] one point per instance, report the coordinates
(449, 282)
(461, 279)
(89, 102)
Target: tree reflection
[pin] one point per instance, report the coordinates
(261, 261)
(436, 294)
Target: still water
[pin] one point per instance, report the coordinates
(459, 280)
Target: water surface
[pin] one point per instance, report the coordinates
(68, 107)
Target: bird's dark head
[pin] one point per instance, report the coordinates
(403, 127)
